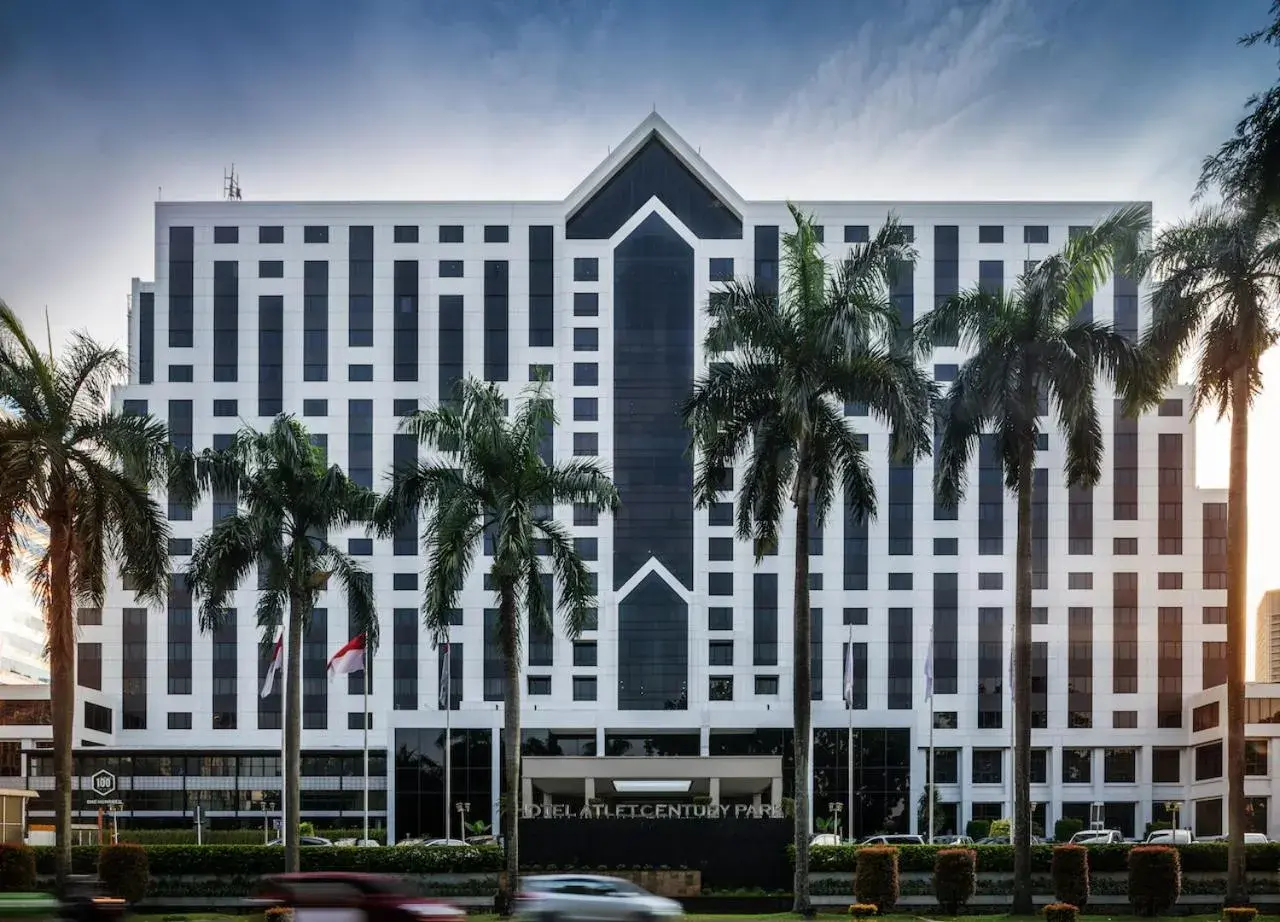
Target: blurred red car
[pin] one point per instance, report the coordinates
(335, 896)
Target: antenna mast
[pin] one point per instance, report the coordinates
(231, 185)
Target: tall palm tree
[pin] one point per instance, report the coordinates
(81, 473)
(488, 478)
(782, 368)
(1030, 349)
(288, 499)
(1216, 285)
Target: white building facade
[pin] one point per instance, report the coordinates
(349, 315)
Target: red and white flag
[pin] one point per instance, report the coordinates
(349, 659)
(277, 660)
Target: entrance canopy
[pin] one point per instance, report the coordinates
(674, 778)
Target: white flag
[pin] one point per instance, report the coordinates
(928, 673)
(848, 675)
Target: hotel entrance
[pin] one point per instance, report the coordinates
(679, 787)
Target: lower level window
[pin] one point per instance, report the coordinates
(584, 688)
(721, 688)
(766, 685)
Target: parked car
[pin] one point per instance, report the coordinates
(305, 840)
(1250, 838)
(565, 897)
(328, 896)
(893, 840)
(1097, 837)
(952, 840)
(1170, 837)
(357, 843)
(444, 843)
(825, 838)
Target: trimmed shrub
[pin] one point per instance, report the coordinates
(278, 914)
(17, 869)
(977, 829)
(1070, 870)
(955, 878)
(1001, 828)
(863, 910)
(1155, 879)
(124, 871)
(1065, 828)
(875, 878)
(1061, 912)
(1239, 913)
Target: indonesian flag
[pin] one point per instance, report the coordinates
(349, 659)
(277, 659)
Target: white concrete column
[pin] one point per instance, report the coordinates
(495, 772)
(526, 791)
(775, 795)
(589, 789)
(714, 789)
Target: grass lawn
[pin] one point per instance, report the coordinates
(775, 917)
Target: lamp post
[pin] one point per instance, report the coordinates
(1174, 807)
(463, 809)
(836, 809)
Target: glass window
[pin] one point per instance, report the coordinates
(586, 339)
(450, 268)
(406, 233)
(315, 234)
(451, 233)
(496, 233)
(586, 374)
(271, 234)
(586, 269)
(722, 268)
(1035, 233)
(586, 303)
(270, 269)
(991, 233)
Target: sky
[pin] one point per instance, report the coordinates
(107, 106)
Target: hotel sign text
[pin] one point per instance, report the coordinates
(651, 812)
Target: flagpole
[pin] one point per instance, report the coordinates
(848, 703)
(448, 733)
(932, 781)
(366, 743)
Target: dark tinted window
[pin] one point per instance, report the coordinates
(450, 268)
(586, 269)
(451, 233)
(314, 407)
(496, 233)
(1035, 233)
(857, 233)
(586, 304)
(654, 171)
(271, 234)
(991, 233)
(315, 233)
(586, 374)
(722, 269)
(406, 233)
(359, 372)
(180, 374)
(224, 408)
(270, 269)
(226, 234)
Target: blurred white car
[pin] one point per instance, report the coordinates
(589, 897)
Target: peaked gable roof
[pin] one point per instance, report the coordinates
(653, 161)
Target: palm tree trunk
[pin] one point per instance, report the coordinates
(801, 693)
(511, 747)
(1022, 904)
(62, 691)
(293, 735)
(1237, 558)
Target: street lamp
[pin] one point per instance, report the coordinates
(463, 809)
(836, 808)
(1174, 807)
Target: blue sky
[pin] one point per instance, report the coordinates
(104, 106)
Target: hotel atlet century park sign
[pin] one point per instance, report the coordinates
(651, 812)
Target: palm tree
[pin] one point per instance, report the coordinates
(1029, 349)
(72, 468)
(1217, 280)
(782, 368)
(288, 501)
(489, 479)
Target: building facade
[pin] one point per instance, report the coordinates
(1266, 664)
(351, 315)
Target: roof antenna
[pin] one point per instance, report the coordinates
(159, 193)
(231, 185)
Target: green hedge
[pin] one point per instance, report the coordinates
(171, 860)
(1206, 856)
